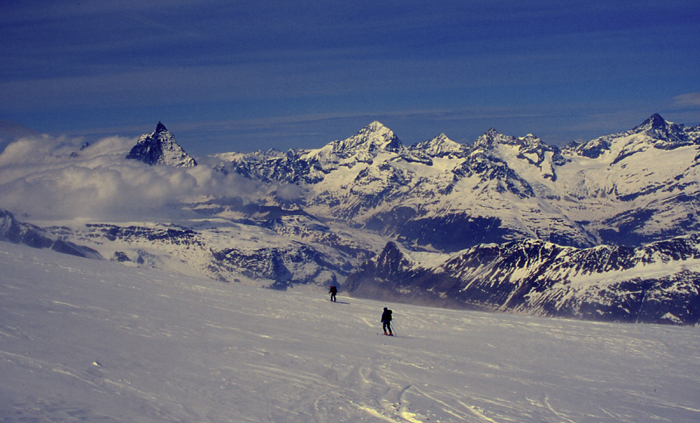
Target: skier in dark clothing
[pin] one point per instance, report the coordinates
(333, 291)
(386, 321)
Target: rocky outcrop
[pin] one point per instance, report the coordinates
(13, 231)
(160, 148)
(656, 283)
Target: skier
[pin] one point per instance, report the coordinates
(333, 291)
(386, 321)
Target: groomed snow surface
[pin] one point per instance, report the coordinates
(87, 340)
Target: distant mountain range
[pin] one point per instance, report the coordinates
(629, 188)
(604, 229)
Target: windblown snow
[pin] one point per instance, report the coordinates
(92, 340)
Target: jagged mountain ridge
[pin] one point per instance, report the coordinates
(444, 201)
(502, 187)
(160, 148)
(16, 232)
(665, 135)
(264, 246)
(407, 193)
(657, 283)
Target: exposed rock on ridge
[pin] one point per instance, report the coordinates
(160, 148)
(581, 195)
(15, 232)
(657, 283)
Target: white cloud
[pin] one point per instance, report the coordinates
(33, 150)
(289, 192)
(687, 100)
(39, 178)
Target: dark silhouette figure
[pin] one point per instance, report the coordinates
(386, 322)
(333, 291)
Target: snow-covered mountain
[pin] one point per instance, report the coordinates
(621, 194)
(657, 283)
(645, 182)
(160, 148)
(259, 246)
(506, 223)
(629, 188)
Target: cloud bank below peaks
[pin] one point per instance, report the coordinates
(47, 178)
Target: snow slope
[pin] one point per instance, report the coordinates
(89, 340)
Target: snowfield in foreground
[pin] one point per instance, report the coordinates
(88, 340)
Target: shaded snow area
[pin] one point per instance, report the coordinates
(88, 340)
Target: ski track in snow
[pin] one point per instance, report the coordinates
(87, 340)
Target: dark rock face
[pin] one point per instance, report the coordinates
(271, 264)
(449, 233)
(174, 235)
(160, 148)
(17, 232)
(601, 283)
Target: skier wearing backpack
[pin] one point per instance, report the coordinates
(333, 291)
(386, 322)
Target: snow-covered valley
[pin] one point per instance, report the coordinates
(92, 340)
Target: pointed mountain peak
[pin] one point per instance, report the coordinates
(657, 132)
(160, 128)
(440, 139)
(444, 140)
(375, 126)
(439, 146)
(376, 129)
(372, 137)
(160, 148)
(667, 134)
(491, 138)
(654, 122)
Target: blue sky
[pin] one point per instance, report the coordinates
(248, 75)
